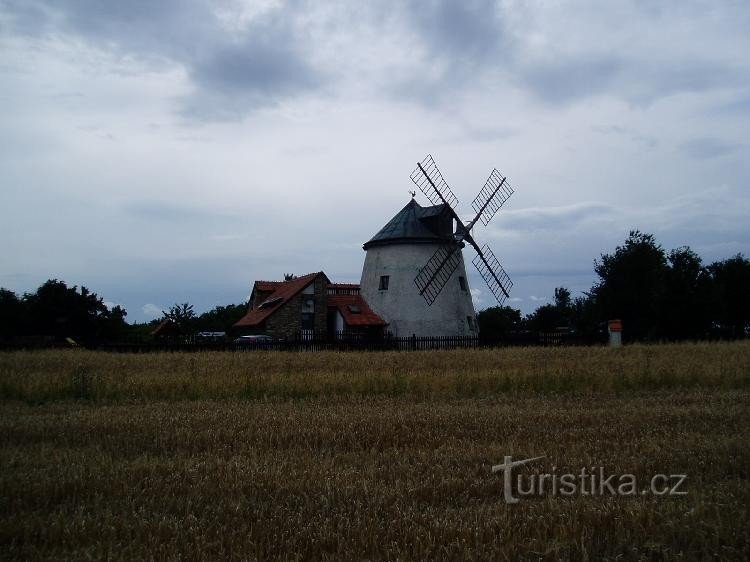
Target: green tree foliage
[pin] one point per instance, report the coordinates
(685, 304)
(220, 318)
(549, 317)
(657, 295)
(632, 284)
(562, 299)
(730, 296)
(13, 319)
(183, 316)
(546, 318)
(498, 321)
(61, 311)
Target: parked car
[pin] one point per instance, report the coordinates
(210, 337)
(252, 340)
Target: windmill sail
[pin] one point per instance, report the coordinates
(495, 192)
(429, 180)
(493, 274)
(436, 272)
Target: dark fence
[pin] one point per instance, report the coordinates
(339, 342)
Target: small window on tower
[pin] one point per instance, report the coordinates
(470, 322)
(462, 283)
(384, 282)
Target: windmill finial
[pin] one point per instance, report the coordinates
(413, 194)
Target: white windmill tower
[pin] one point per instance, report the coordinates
(414, 275)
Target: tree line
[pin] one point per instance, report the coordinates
(658, 295)
(58, 311)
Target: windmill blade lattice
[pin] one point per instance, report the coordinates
(493, 274)
(495, 192)
(439, 268)
(429, 180)
(436, 272)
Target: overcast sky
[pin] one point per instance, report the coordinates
(168, 151)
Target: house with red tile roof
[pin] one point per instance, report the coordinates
(308, 306)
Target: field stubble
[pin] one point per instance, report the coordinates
(377, 456)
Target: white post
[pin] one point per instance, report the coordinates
(615, 333)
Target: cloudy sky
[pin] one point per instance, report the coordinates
(169, 151)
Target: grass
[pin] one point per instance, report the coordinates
(371, 456)
(39, 377)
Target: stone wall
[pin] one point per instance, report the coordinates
(286, 322)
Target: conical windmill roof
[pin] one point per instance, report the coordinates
(415, 224)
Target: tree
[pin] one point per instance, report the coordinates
(631, 285)
(685, 304)
(112, 323)
(730, 296)
(498, 321)
(182, 315)
(546, 318)
(62, 311)
(12, 316)
(562, 298)
(549, 317)
(585, 317)
(220, 318)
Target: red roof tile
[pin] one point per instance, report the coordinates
(267, 285)
(283, 290)
(366, 317)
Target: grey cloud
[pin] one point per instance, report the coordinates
(273, 56)
(469, 31)
(645, 141)
(471, 39)
(705, 216)
(461, 41)
(707, 147)
(255, 68)
(633, 79)
(649, 80)
(139, 26)
(485, 133)
(176, 212)
(565, 80)
(233, 71)
(250, 74)
(740, 105)
(554, 218)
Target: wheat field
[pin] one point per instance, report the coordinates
(371, 456)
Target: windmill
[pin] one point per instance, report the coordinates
(417, 257)
(439, 268)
